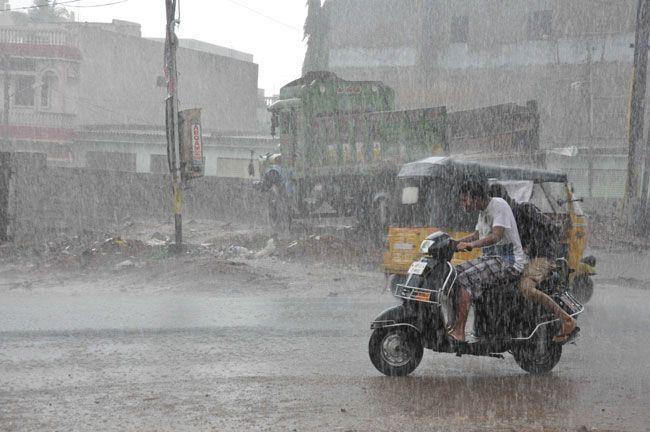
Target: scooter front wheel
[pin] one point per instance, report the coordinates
(395, 351)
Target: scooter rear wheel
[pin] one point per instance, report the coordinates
(395, 351)
(583, 288)
(536, 361)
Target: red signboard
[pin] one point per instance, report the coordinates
(197, 145)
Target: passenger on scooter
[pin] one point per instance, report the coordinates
(540, 239)
(503, 257)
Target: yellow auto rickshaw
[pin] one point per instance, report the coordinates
(427, 199)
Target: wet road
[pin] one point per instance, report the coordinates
(126, 361)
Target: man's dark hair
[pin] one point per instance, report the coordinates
(474, 189)
(499, 191)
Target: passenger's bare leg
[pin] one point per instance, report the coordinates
(528, 288)
(462, 310)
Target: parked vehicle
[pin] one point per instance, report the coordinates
(503, 320)
(426, 201)
(342, 144)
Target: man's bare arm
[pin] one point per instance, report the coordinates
(465, 242)
(473, 236)
(495, 236)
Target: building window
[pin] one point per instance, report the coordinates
(45, 93)
(459, 29)
(540, 24)
(48, 86)
(22, 65)
(25, 92)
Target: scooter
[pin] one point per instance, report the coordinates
(501, 320)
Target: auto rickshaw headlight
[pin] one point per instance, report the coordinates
(410, 195)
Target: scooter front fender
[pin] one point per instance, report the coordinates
(396, 316)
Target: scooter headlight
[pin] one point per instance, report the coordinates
(426, 244)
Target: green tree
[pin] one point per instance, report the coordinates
(49, 10)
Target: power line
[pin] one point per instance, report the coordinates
(263, 15)
(99, 5)
(91, 105)
(67, 2)
(362, 54)
(39, 6)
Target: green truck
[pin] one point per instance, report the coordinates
(342, 143)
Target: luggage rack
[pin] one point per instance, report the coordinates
(416, 294)
(422, 294)
(566, 299)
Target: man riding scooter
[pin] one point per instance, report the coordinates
(503, 259)
(540, 238)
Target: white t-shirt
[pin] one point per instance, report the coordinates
(498, 213)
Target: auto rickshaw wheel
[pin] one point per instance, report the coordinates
(583, 288)
(395, 351)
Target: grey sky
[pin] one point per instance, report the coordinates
(277, 47)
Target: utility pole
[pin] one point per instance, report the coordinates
(171, 120)
(636, 110)
(5, 112)
(643, 204)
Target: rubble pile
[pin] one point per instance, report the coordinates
(98, 251)
(140, 243)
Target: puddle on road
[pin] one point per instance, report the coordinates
(26, 313)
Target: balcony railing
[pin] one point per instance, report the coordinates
(58, 37)
(42, 119)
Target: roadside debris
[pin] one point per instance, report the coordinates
(124, 265)
(236, 250)
(268, 250)
(324, 246)
(158, 239)
(141, 242)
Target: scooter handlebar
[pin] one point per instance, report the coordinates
(455, 245)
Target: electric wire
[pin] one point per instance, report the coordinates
(367, 56)
(39, 6)
(263, 14)
(117, 114)
(67, 2)
(98, 5)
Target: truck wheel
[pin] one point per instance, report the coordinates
(395, 351)
(279, 208)
(583, 288)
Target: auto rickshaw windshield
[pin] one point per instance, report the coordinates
(430, 202)
(557, 193)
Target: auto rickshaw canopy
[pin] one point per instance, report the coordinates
(449, 167)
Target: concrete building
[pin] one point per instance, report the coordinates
(68, 80)
(40, 71)
(573, 57)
